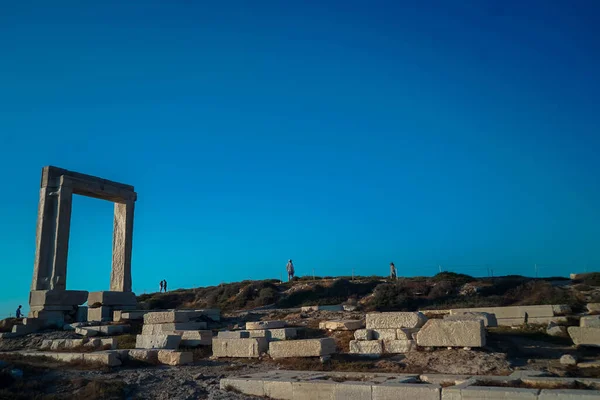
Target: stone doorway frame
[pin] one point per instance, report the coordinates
(54, 224)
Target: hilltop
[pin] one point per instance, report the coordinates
(375, 293)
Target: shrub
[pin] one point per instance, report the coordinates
(592, 279)
(540, 292)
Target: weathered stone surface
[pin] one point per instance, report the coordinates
(590, 321)
(233, 334)
(108, 344)
(252, 387)
(265, 325)
(157, 341)
(342, 325)
(395, 320)
(561, 309)
(81, 314)
(274, 334)
(103, 314)
(488, 319)
(86, 331)
(124, 315)
(568, 359)
(196, 338)
(111, 329)
(406, 333)
(334, 308)
(302, 348)
(584, 336)
(246, 348)
(109, 298)
(120, 276)
(442, 333)
(366, 347)
(514, 315)
(212, 313)
(477, 392)
(144, 355)
(156, 329)
(163, 317)
(46, 344)
(593, 307)
(363, 334)
(171, 357)
(556, 330)
(589, 364)
(398, 346)
(568, 394)
(93, 343)
(385, 334)
(110, 358)
(406, 391)
(57, 297)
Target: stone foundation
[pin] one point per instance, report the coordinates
(302, 348)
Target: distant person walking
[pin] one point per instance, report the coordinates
(165, 284)
(162, 286)
(393, 274)
(290, 270)
(19, 313)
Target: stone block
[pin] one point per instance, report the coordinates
(274, 334)
(395, 320)
(342, 325)
(245, 348)
(561, 309)
(163, 317)
(406, 391)
(111, 343)
(366, 347)
(124, 315)
(171, 357)
(556, 330)
(352, 391)
(275, 389)
(398, 346)
(57, 344)
(196, 338)
(251, 387)
(593, 307)
(489, 320)
(94, 343)
(81, 314)
(74, 343)
(66, 309)
(443, 333)
(109, 298)
(57, 297)
(46, 344)
(233, 334)
(157, 329)
(102, 314)
(111, 329)
(265, 325)
(144, 355)
(568, 394)
(363, 334)
(406, 334)
(384, 334)
(568, 359)
(109, 357)
(584, 336)
(478, 392)
(302, 348)
(316, 390)
(49, 318)
(157, 341)
(590, 321)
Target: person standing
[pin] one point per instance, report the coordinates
(290, 270)
(19, 313)
(393, 274)
(165, 285)
(162, 285)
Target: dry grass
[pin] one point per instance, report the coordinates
(126, 341)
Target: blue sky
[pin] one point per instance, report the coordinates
(340, 134)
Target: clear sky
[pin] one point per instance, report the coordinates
(340, 134)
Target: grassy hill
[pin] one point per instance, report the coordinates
(444, 290)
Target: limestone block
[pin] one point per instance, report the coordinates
(478, 392)
(323, 390)
(406, 391)
(111, 343)
(265, 325)
(157, 341)
(23, 329)
(302, 348)
(342, 325)
(246, 348)
(212, 313)
(120, 274)
(590, 321)
(74, 343)
(163, 317)
(94, 343)
(171, 357)
(366, 347)
(568, 359)
(66, 309)
(103, 314)
(593, 307)
(443, 333)
(57, 344)
(233, 334)
(49, 318)
(363, 334)
(395, 320)
(489, 320)
(111, 329)
(352, 390)
(86, 331)
(144, 355)
(274, 334)
(124, 315)
(108, 298)
(406, 333)
(278, 389)
(81, 314)
(252, 387)
(156, 329)
(387, 334)
(398, 346)
(568, 394)
(109, 357)
(584, 336)
(561, 309)
(196, 338)
(556, 330)
(57, 297)
(46, 344)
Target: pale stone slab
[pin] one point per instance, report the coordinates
(363, 334)
(196, 338)
(274, 334)
(590, 321)
(109, 358)
(123, 315)
(568, 359)
(489, 320)
(568, 394)
(156, 329)
(585, 336)
(395, 320)
(278, 389)
(477, 392)
(120, 276)
(144, 355)
(385, 334)
(57, 297)
(163, 317)
(157, 341)
(366, 347)
(406, 391)
(562, 309)
(251, 387)
(245, 348)
(314, 390)
(102, 314)
(110, 342)
(233, 334)
(265, 325)
(556, 330)
(593, 307)
(302, 348)
(443, 333)
(352, 390)
(110, 298)
(171, 357)
(85, 331)
(342, 325)
(398, 346)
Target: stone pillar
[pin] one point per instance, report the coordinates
(120, 277)
(61, 238)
